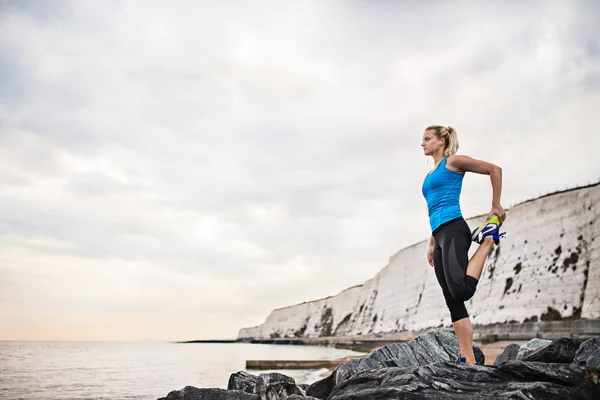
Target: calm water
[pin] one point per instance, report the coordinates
(135, 370)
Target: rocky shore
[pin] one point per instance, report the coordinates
(426, 368)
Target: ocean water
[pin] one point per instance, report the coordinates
(136, 370)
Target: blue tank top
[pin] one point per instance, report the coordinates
(441, 189)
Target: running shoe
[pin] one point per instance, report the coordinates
(490, 228)
(463, 360)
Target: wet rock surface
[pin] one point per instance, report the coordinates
(509, 354)
(243, 381)
(557, 351)
(445, 380)
(274, 385)
(588, 354)
(431, 347)
(426, 368)
(531, 346)
(321, 389)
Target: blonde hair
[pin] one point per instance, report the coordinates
(449, 134)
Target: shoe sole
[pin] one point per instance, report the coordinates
(477, 230)
(480, 228)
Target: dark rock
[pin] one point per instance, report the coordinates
(298, 397)
(321, 389)
(435, 346)
(531, 346)
(266, 386)
(588, 354)
(448, 380)
(243, 381)
(193, 393)
(509, 354)
(272, 386)
(564, 374)
(431, 347)
(558, 351)
(303, 386)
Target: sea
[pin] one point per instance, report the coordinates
(137, 370)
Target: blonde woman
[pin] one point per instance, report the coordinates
(451, 237)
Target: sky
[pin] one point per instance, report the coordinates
(176, 170)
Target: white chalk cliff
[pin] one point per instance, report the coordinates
(547, 268)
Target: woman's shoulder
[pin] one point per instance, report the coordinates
(455, 162)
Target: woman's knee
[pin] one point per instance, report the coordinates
(470, 285)
(466, 291)
(464, 294)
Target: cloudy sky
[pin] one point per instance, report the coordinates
(176, 170)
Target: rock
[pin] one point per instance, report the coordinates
(267, 386)
(448, 380)
(272, 386)
(509, 354)
(298, 397)
(431, 347)
(558, 351)
(303, 386)
(588, 354)
(193, 393)
(243, 381)
(321, 389)
(531, 346)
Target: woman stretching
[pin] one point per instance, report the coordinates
(451, 237)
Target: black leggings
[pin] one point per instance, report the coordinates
(450, 259)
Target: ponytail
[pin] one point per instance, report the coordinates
(447, 133)
(451, 141)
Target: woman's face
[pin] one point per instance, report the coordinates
(430, 143)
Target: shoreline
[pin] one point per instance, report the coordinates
(491, 339)
(483, 334)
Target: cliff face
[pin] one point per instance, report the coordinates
(547, 268)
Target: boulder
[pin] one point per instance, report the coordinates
(531, 346)
(509, 354)
(557, 351)
(243, 381)
(267, 386)
(194, 393)
(321, 389)
(588, 354)
(272, 386)
(448, 380)
(431, 347)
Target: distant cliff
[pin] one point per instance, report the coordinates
(548, 268)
